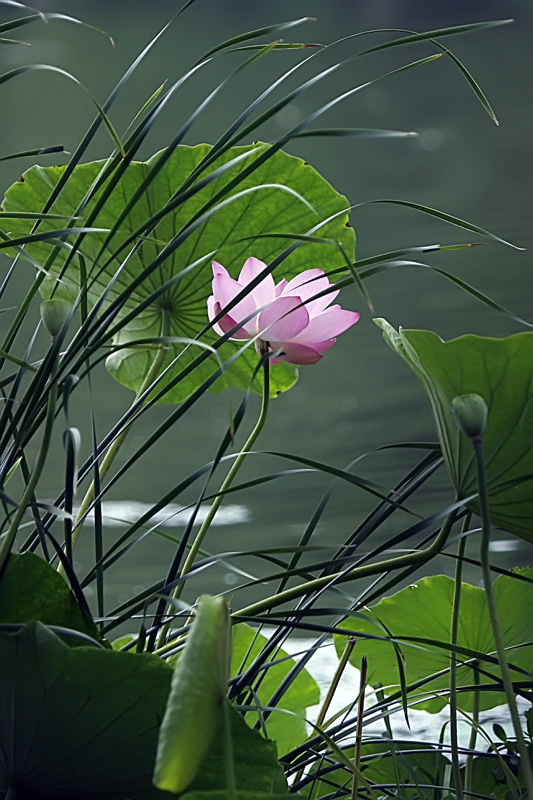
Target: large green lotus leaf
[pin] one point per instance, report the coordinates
(501, 372)
(385, 765)
(425, 610)
(31, 590)
(267, 210)
(287, 729)
(78, 722)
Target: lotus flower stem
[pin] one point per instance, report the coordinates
(229, 767)
(493, 615)
(359, 729)
(117, 443)
(473, 734)
(454, 738)
(228, 480)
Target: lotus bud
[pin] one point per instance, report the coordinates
(54, 314)
(469, 412)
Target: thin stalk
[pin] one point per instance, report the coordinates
(117, 443)
(469, 765)
(331, 693)
(507, 681)
(229, 768)
(31, 485)
(347, 652)
(454, 737)
(359, 730)
(398, 562)
(228, 480)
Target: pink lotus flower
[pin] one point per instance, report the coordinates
(284, 316)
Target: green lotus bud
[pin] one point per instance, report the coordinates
(469, 412)
(54, 314)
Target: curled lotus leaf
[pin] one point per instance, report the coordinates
(500, 372)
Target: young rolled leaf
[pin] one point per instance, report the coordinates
(424, 610)
(500, 373)
(284, 195)
(194, 709)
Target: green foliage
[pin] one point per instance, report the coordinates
(283, 195)
(106, 709)
(255, 763)
(31, 590)
(221, 795)
(500, 371)
(499, 775)
(127, 247)
(403, 765)
(193, 714)
(286, 729)
(421, 614)
(78, 720)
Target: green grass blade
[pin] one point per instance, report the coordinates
(460, 223)
(39, 151)
(438, 33)
(255, 34)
